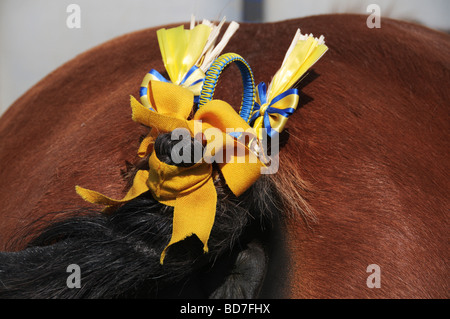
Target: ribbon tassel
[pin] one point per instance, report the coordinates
(187, 55)
(277, 102)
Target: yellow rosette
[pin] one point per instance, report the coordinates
(184, 187)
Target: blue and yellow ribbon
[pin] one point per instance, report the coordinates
(180, 50)
(193, 81)
(272, 114)
(277, 102)
(212, 77)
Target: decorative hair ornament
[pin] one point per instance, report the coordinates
(167, 105)
(277, 102)
(184, 187)
(188, 54)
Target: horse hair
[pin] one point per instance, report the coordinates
(119, 252)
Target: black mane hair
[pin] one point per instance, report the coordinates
(118, 253)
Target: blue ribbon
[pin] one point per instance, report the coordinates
(159, 76)
(286, 112)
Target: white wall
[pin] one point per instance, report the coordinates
(34, 38)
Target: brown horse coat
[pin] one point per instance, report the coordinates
(370, 139)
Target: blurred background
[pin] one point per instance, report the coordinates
(35, 38)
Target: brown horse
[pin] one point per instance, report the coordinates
(364, 166)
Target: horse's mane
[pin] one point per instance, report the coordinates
(119, 251)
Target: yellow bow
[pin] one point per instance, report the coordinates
(185, 187)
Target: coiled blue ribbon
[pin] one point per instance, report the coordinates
(212, 77)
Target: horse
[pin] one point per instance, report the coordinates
(363, 176)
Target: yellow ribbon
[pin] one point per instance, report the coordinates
(174, 101)
(272, 115)
(181, 49)
(274, 105)
(305, 53)
(190, 190)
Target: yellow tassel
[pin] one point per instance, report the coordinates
(275, 104)
(304, 51)
(181, 49)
